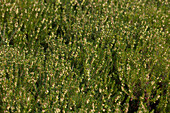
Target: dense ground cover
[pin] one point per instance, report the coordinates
(84, 56)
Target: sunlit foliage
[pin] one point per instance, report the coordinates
(84, 56)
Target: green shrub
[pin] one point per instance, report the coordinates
(84, 56)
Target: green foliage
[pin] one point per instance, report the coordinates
(84, 56)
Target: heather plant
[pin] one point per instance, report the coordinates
(84, 56)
